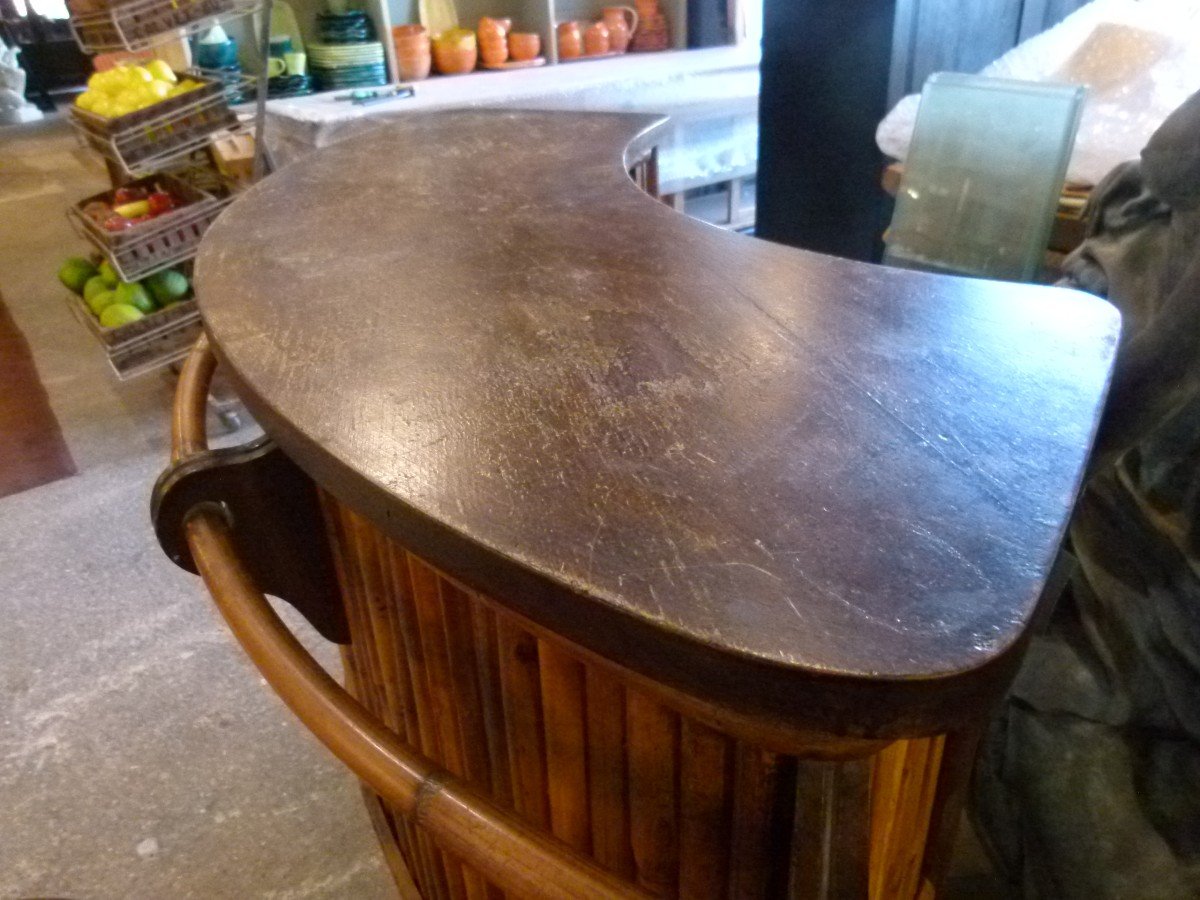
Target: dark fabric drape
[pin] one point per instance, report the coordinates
(1088, 785)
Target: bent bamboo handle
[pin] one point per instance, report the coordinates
(491, 840)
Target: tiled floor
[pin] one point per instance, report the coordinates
(140, 755)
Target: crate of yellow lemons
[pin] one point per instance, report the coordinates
(123, 90)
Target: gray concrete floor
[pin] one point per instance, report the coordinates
(140, 754)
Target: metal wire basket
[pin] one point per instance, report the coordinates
(99, 27)
(147, 140)
(158, 340)
(160, 243)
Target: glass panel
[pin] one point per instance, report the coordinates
(983, 175)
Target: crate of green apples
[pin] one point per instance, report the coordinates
(121, 311)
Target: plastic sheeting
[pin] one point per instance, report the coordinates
(1139, 58)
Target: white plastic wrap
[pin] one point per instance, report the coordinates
(1139, 58)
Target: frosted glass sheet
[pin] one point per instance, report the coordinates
(983, 175)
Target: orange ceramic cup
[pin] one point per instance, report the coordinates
(406, 33)
(455, 59)
(524, 46)
(493, 50)
(570, 40)
(414, 66)
(413, 56)
(489, 27)
(595, 39)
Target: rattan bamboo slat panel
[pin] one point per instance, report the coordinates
(680, 808)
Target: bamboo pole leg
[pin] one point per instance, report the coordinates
(831, 832)
(949, 800)
(523, 720)
(756, 780)
(608, 792)
(653, 785)
(706, 801)
(566, 747)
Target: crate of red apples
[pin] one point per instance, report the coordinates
(148, 224)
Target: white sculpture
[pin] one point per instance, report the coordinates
(14, 108)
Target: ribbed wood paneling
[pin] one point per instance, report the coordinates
(673, 805)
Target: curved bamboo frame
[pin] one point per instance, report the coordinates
(494, 842)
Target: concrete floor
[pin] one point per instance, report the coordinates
(140, 754)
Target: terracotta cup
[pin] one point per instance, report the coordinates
(524, 46)
(410, 33)
(490, 27)
(413, 56)
(414, 67)
(493, 50)
(596, 40)
(622, 22)
(455, 58)
(570, 40)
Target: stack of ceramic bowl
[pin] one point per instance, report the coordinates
(348, 56)
(652, 31)
(493, 40)
(412, 51)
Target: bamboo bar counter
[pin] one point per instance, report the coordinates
(666, 562)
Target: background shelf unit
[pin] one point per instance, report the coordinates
(539, 16)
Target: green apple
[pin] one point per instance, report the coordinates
(95, 285)
(101, 301)
(136, 296)
(108, 273)
(119, 314)
(76, 272)
(167, 286)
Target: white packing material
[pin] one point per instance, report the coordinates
(1139, 58)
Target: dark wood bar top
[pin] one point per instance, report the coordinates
(787, 484)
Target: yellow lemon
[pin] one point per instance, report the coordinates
(140, 73)
(104, 82)
(160, 70)
(126, 102)
(160, 90)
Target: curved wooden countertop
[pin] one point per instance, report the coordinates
(806, 489)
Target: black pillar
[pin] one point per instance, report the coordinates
(825, 67)
(708, 23)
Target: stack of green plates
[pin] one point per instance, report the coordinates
(347, 65)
